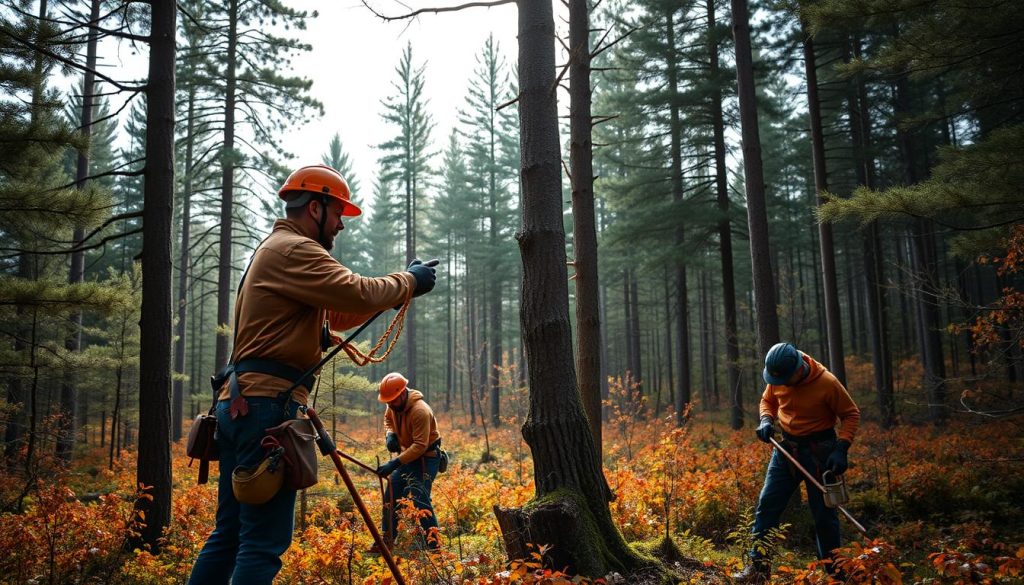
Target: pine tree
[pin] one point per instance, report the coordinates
(449, 217)
(566, 468)
(255, 95)
(406, 162)
(482, 123)
(339, 160)
(39, 209)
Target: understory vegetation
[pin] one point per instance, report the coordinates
(941, 504)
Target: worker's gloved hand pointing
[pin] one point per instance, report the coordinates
(766, 430)
(391, 441)
(837, 460)
(425, 275)
(386, 469)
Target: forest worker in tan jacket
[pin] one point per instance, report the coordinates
(292, 286)
(411, 431)
(807, 401)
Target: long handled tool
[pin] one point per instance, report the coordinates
(327, 447)
(334, 352)
(385, 494)
(818, 485)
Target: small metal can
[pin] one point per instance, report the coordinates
(836, 493)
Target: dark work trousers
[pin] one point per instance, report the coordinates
(413, 480)
(781, 480)
(248, 540)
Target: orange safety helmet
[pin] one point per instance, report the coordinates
(321, 179)
(391, 387)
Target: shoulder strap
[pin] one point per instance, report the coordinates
(229, 369)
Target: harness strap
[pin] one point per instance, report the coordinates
(239, 406)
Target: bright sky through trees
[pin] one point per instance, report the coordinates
(352, 65)
(353, 62)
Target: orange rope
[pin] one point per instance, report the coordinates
(361, 359)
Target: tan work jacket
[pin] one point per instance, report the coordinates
(415, 426)
(292, 286)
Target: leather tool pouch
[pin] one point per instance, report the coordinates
(298, 438)
(202, 443)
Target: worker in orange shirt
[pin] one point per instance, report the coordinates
(807, 401)
(412, 434)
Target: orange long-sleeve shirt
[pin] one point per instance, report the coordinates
(291, 287)
(415, 426)
(813, 405)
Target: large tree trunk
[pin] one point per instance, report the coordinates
(584, 238)
(154, 466)
(69, 390)
(753, 173)
(732, 347)
(682, 395)
(836, 363)
(224, 268)
(570, 510)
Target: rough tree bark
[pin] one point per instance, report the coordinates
(584, 237)
(836, 363)
(753, 173)
(154, 466)
(224, 267)
(570, 510)
(732, 347)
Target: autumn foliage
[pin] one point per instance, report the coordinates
(940, 503)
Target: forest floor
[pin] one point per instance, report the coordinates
(942, 504)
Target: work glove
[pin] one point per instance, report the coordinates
(391, 441)
(388, 468)
(425, 275)
(837, 460)
(766, 430)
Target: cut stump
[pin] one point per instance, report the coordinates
(557, 522)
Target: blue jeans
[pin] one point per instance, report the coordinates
(779, 484)
(248, 540)
(413, 480)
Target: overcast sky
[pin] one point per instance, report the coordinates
(353, 63)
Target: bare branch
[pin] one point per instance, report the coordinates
(436, 10)
(71, 63)
(507, 104)
(189, 15)
(597, 52)
(18, 252)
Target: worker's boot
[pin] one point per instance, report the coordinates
(756, 572)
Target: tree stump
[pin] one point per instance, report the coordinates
(560, 522)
